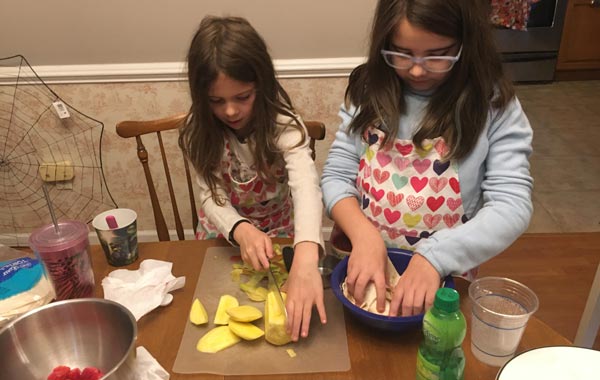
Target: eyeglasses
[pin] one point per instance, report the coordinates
(432, 63)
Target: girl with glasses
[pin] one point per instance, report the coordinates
(251, 152)
(432, 153)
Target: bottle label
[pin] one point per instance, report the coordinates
(431, 332)
(17, 276)
(426, 370)
(444, 332)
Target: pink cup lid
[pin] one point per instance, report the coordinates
(72, 234)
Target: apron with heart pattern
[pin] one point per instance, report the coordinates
(268, 206)
(407, 192)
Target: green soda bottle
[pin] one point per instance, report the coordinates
(440, 355)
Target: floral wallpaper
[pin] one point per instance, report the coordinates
(315, 98)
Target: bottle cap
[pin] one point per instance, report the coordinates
(447, 299)
(72, 235)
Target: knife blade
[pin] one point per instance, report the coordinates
(273, 286)
(288, 257)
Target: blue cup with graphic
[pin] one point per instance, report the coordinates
(117, 233)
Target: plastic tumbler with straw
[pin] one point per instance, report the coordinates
(63, 247)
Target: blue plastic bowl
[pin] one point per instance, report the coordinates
(400, 259)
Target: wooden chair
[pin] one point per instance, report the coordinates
(316, 131)
(127, 129)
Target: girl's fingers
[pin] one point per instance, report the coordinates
(268, 247)
(256, 264)
(397, 299)
(250, 257)
(258, 256)
(350, 280)
(359, 288)
(294, 321)
(306, 320)
(264, 250)
(407, 304)
(380, 290)
(418, 301)
(429, 299)
(321, 310)
(264, 262)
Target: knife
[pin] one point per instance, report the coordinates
(288, 257)
(273, 286)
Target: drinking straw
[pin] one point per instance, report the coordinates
(49, 203)
(111, 221)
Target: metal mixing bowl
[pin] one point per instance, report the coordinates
(326, 265)
(84, 332)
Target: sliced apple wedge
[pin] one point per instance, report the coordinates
(245, 330)
(198, 314)
(244, 313)
(275, 321)
(225, 302)
(217, 339)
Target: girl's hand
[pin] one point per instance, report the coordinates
(255, 246)
(367, 263)
(369, 255)
(416, 288)
(304, 289)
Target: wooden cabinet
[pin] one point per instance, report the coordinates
(580, 42)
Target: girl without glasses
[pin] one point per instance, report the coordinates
(250, 150)
(432, 153)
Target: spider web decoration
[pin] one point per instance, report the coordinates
(34, 143)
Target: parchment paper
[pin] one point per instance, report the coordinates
(325, 350)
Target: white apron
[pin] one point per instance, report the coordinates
(267, 206)
(409, 193)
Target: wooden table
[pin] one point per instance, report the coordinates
(373, 354)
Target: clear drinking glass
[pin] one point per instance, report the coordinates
(501, 308)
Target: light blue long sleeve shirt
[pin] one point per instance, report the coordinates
(495, 185)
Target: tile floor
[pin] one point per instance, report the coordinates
(565, 163)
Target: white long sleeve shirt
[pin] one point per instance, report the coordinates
(303, 181)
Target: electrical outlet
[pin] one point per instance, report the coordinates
(56, 171)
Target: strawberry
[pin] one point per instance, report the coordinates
(91, 373)
(59, 373)
(63, 372)
(74, 374)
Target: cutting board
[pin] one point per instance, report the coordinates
(324, 350)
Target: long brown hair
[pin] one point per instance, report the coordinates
(230, 45)
(459, 108)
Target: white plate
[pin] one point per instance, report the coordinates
(553, 363)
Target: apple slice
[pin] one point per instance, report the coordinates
(244, 313)
(245, 330)
(217, 339)
(225, 302)
(198, 314)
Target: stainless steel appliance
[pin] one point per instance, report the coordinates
(531, 55)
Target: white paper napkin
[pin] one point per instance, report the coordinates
(144, 289)
(144, 367)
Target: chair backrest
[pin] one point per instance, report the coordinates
(127, 129)
(136, 129)
(316, 131)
